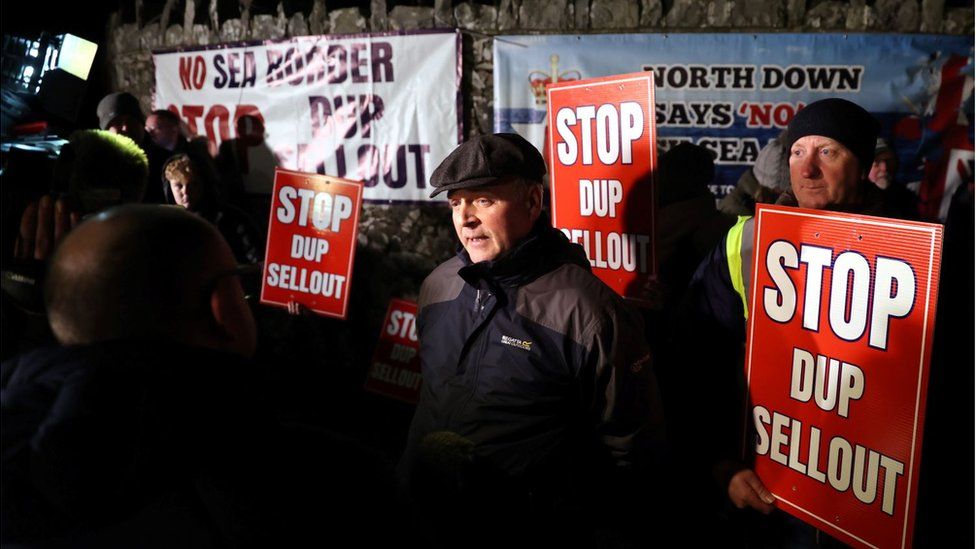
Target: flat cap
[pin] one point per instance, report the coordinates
(485, 160)
(117, 104)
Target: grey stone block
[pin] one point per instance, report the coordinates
(477, 17)
(829, 15)
(478, 83)
(443, 14)
(651, 13)
(202, 35)
(759, 14)
(482, 52)
(297, 26)
(689, 14)
(508, 12)
(614, 14)
(856, 16)
(318, 19)
(933, 12)
(898, 15)
(377, 16)
(127, 38)
(581, 14)
(719, 13)
(174, 35)
(232, 31)
(214, 17)
(266, 26)
(150, 37)
(411, 17)
(481, 108)
(908, 17)
(796, 10)
(958, 21)
(544, 15)
(346, 20)
(189, 12)
(134, 74)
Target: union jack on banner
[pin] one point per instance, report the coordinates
(946, 142)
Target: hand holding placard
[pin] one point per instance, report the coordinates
(840, 333)
(311, 241)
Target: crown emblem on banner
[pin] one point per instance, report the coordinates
(539, 79)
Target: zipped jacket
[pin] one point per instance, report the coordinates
(536, 362)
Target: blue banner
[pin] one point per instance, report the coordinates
(733, 93)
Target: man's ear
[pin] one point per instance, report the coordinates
(231, 320)
(534, 201)
(220, 313)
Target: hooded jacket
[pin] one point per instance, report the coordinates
(535, 362)
(237, 228)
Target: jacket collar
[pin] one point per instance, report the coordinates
(871, 201)
(541, 251)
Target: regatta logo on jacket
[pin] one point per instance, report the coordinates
(514, 342)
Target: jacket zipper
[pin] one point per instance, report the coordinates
(482, 341)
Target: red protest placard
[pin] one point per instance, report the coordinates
(314, 221)
(602, 155)
(395, 371)
(840, 335)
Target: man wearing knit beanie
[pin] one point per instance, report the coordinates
(121, 113)
(831, 147)
(884, 166)
(831, 150)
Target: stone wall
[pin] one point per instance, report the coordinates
(130, 43)
(399, 245)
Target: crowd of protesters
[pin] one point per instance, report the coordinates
(143, 400)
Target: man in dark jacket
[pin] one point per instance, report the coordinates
(147, 427)
(538, 389)
(831, 144)
(163, 127)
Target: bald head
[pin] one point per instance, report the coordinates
(145, 271)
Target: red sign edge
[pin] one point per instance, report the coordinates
(386, 320)
(931, 302)
(652, 125)
(352, 254)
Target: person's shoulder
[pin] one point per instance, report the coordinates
(569, 299)
(446, 270)
(45, 363)
(576, 280)
(443, 283)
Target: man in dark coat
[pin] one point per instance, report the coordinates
(147, 428)
(538, 395)
(831, 144)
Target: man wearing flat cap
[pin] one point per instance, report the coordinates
(538, 388)
(831, 149)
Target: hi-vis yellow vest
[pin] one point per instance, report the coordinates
(738, 252)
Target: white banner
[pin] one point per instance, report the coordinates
(381, 108)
